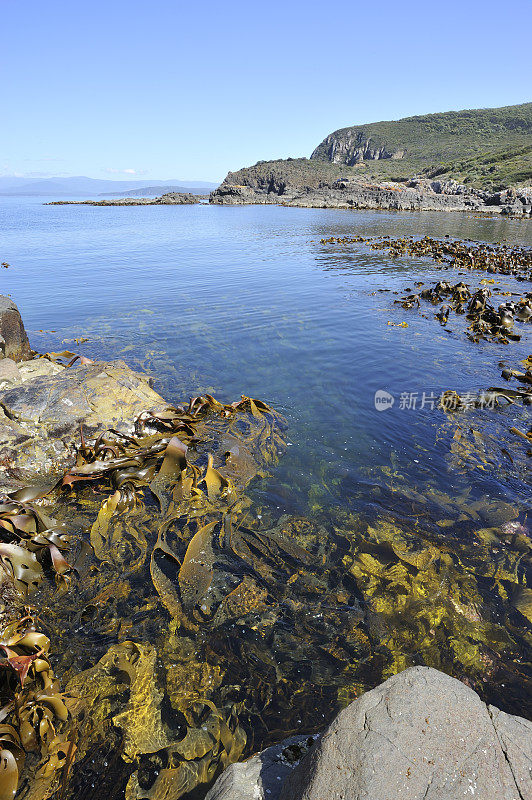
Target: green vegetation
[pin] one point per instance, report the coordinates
(495, 170)
(488, 148)
(298, 172)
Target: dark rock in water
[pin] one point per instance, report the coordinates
(14, 342)
(421, 735)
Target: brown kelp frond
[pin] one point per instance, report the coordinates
(162, 441)
(196, 499)
(29, 541)
(36, 714)
(66, 358)
(485, 321)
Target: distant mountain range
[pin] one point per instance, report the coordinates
(156, 191)
(81, 186)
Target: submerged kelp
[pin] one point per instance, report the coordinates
(198, 507)
(201, 630)
(196, 630)
(204, 622)
(196, 627)
(33, 713)
(33, 542)
(455, 254)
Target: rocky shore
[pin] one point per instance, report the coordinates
(420, 735)
(353, 193)
(169, 199)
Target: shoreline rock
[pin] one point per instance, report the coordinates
(14, 343)
(421, 735)
(169, 199)
(43, 405)
(353, 193)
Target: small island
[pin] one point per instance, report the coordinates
(170, 199)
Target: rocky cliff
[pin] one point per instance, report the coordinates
(485, 150)
(353, 146)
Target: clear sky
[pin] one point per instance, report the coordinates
(190, 90)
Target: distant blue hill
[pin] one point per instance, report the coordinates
(10, 185)
(157, 190)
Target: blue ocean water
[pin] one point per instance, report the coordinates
(245, 300)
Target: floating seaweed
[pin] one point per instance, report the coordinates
(486, 322)
(456, 254)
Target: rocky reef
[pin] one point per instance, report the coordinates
(169, 199)
(353, 192)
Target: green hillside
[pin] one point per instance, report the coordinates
(483, 147)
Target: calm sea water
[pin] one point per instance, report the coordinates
(245, 300)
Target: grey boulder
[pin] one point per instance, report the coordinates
(421, 735)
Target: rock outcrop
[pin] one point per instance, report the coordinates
(262, 776)
(14, 342)
(421, 735)
(168, 199)
(43, 405)
(355, 146)
(352, 193)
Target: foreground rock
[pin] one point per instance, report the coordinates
(352, 193)
(14, 342)
(262, 776)
(421, 735)
(169, 199)
(43, 405)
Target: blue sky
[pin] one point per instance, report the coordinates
(190, 90)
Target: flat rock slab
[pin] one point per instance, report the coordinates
(44, 405)
(14, 342)
(12, 374)
(421, 735)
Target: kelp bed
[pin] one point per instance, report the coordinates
(189, 630)
(176, 625)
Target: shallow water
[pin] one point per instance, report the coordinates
(245, 300)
